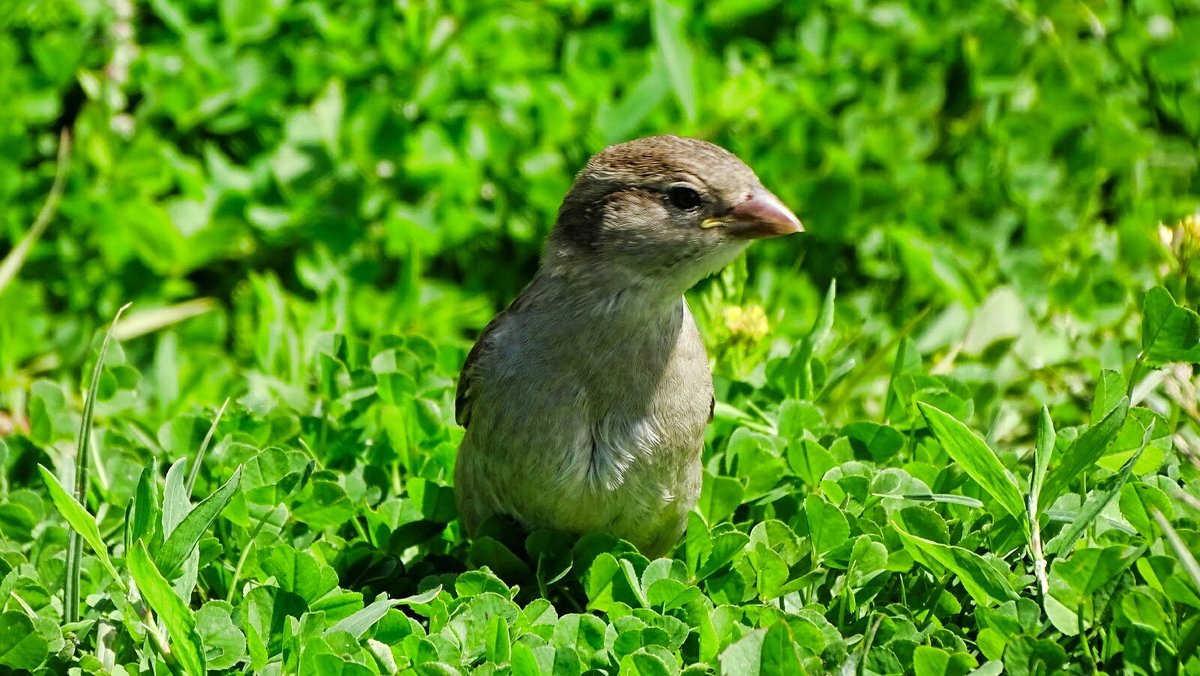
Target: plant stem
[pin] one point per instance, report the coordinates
(866, 647)
(237, 571)
(75, 539)
(212, 429)
(1035, 547)
(15, 258)
(1135, 373)
(933, 601)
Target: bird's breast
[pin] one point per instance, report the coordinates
(591, 428)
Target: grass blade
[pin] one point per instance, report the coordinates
(1084, 453)
(358, 623)
(74, 541)
(1177, 545)
(944, 498)
(154, 319)
(184, 537)
(178, 618)
(12, 263)
(1096, 502)
(976, 459)
(822, 326)
(212, 430)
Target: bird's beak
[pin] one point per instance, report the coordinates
(758, 216)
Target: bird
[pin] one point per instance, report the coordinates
(585, 402)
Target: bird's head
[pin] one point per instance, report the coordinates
(665, 211)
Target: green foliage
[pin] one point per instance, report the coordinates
(977, 450)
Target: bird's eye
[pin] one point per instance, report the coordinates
(683, 197)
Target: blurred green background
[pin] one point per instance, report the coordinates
(973, 175)
(314, 207)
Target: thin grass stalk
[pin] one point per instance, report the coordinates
(74, 539)
(16, 258)
(212, 429)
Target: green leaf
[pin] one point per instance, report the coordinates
(1140, 605)
(176, 504)
(772, 572)
(21, 645)
(1043, 451)
(668, 24)
(487, 551)
(908, 360)
(827, 526)
(224, 643)
(983, 582)
(186, 645)
(610, 580)
(323, 504)
(81, 521)
(762, 652)
(582, 636)
(798, 417)
(878, 442)
(744, 656)
(144, 511)
(476, 582)
(1077, 584)
(725, 547)
(17, 522)
(1109, 392)
(719, 496)
(778, 653)
(930, 661)
(1095, 503)
(357, 624)
(298, 572)
(249, 21)
(1086, 450)
(804, 355)
(523, 661)
(1028, 656)
(1138, 503)
(422, 598)
(176, 501)
(1170, 333)
(182, 541)
(268, 611)
(976, 459)
(498, 641)
(436, 501)
(809, 460)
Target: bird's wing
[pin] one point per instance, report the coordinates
(462, 396)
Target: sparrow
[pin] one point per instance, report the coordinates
(585, 402)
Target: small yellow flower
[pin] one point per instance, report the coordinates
(1183, 240)
(748, 323)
